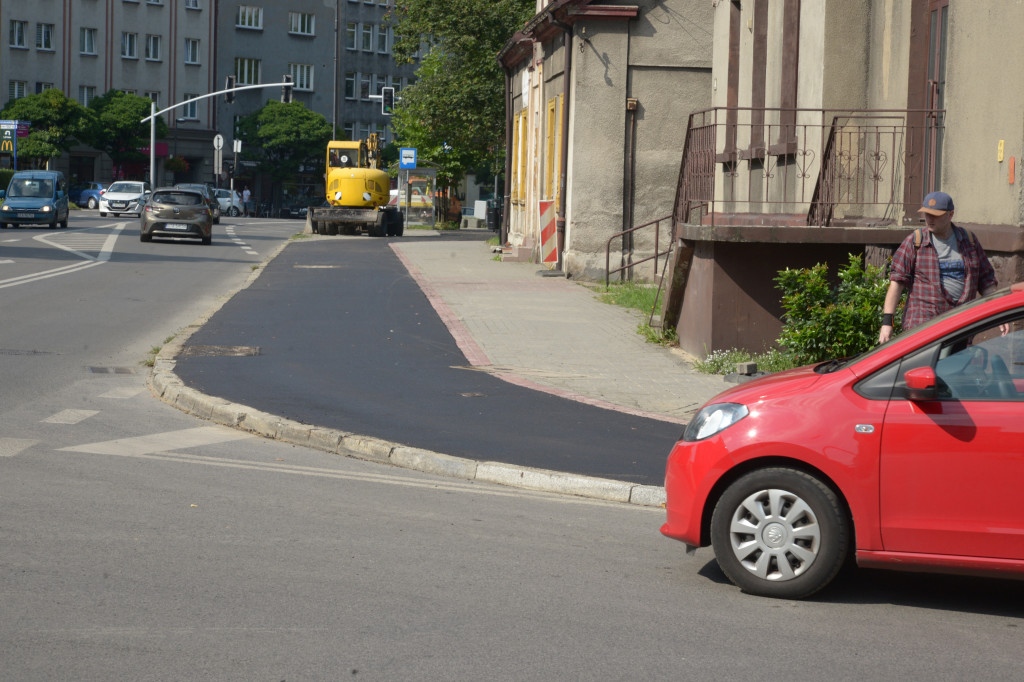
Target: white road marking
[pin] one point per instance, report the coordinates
(9, 447)
(122, 393)
(163, 442)
(157, 447)
(70, 416)
(73, 242)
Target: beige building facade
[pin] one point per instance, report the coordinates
(831, 120)
(598, 96)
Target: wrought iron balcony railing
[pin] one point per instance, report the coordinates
(810, 167)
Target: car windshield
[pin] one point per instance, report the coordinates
(128, 187)
(178, 198)
(31, 187)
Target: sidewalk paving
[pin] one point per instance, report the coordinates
(545, 333)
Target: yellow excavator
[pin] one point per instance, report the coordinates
(357, 191)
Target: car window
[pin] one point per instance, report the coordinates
(178, 198)
(985, 364)
(134, 187)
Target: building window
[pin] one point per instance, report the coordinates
(302, 23)
(302, 76)
(153, 96)
(190, 110)
(192, 4)
(351, 31)
(383, 32)
(247, 71)
(249, 17)
(18, 31)
(153, 48)
(44, 36)
(191, 51)
(350, 85)
(17, 90)
(367, 42)
(365, 83)
(130, 45)
(40, 87)
(86, 94)
(87, 40)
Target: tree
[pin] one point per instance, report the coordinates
(454, 114)
(282, 138)
(57, 124)
(117, 126)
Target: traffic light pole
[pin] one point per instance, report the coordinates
(154, 113)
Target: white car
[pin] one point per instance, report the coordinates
(124, 197)
(230, 201)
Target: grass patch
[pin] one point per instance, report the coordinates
(645, 299)
(494, 241)
(724, 361)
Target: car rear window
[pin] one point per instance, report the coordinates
(178, 198)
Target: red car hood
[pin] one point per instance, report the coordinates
(791, 381)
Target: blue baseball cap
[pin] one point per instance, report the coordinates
(936, 203)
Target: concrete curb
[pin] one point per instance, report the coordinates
(167, 386)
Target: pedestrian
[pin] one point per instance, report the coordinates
(245, 199)
(940, 267)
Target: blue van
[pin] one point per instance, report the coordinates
(35, 197)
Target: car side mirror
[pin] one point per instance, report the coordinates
(3, 194)
(921, 384)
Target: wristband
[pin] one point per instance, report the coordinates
(886, 319)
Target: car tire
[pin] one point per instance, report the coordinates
(64, 224)
(116, 215)
(207, 240)
(234, 211)
(102, 214)
(93, 203)
(781, 533)
(143, 237)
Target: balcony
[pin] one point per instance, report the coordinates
(805, 167)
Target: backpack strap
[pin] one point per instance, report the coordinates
(918, 236)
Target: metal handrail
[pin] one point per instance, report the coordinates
(629, 266)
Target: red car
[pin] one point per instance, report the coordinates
(909, 456)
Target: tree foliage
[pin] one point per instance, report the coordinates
(282, 138)
(117, 127)
(822, 322)
(454, 114)
(57, 124)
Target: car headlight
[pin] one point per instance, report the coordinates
(713, 419)
(47, 208)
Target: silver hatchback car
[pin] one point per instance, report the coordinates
(176, 213)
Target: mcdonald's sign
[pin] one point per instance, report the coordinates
(7, 142)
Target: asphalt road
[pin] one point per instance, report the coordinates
(348, 341)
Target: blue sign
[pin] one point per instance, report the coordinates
(407, 158)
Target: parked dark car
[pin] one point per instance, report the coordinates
(207, 193)
(86, 194)
(176, 212)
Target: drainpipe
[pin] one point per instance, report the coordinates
(627, 189)
(507, 203)
(564, 154)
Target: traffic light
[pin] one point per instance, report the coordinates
(286, 89)
(387, 101)
(229, 85)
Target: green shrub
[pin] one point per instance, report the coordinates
(724, 361)
(822, 322)
(5, 177)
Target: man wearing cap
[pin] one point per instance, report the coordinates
(940, 267)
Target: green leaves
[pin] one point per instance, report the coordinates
(57, 123)
(822, 322)
(282, 138)
(455, 112)
(116, 126)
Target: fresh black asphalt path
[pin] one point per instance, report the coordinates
(348, 341)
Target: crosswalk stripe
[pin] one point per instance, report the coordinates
(163, 442)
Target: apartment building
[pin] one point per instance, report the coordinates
(338, 53)
(160, 49)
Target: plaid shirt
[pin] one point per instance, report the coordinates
(918, 270)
